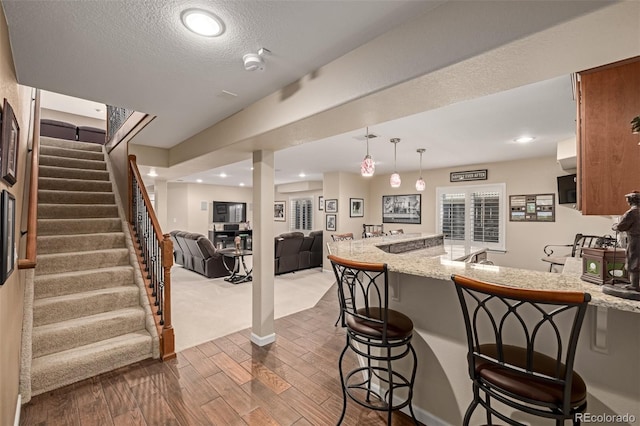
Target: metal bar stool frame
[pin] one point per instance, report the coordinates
(493, 362)
(360, 283)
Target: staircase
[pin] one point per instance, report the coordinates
(88, 315)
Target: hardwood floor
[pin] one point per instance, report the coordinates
(227, 381)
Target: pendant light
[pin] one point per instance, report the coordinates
(420, 185)
(368, 167)
(395, 180)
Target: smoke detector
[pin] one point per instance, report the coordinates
(253, 62)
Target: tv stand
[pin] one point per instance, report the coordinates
(225, 239)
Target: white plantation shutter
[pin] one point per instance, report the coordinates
(301, 217)
(472, 215)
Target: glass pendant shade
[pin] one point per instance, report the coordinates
(368, 167)
(420, 184)
(395, 180)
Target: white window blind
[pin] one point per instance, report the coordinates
(301, 214)
(472, 215)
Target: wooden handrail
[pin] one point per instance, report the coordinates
(164, 325)
(29, 261)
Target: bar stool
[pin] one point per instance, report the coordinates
(507, 328)
(379, 335)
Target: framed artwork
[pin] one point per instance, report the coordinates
(331, 206)
(356, 207)
(7, 226)
(401, 209)
(9, 147)
(320, 203)
(331, 222)
(279, 211)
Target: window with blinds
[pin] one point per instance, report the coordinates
(472, 215)
(301, 214)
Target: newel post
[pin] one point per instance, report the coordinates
(168, 339)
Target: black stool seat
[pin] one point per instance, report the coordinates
(522, 384)
(399, 326)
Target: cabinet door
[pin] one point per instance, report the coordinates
(609, 152)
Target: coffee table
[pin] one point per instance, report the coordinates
(240, 273)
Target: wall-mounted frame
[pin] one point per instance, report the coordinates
(279, 211)
(356, 207)
(330, 222)
(468, 175)
(401, 209)
(532, 208)
(7, 226)
(331, 206)
(10, 133)
(320, 203)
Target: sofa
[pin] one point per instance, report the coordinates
(63, 130)
(294, 251)
(197, 253)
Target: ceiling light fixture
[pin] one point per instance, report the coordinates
(202, 22)
(420, 184)
(241, 183)
(395, 180)
(524, 139)
(223, 175)
(368, 166)
(152, 173)
(302, 175)
(199, 180)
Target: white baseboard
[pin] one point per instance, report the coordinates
(263, 340)
(16, 420)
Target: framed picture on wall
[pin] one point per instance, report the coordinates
(331, 206)
(7, 228)
(320, 203)
(279, 211)
(10, 134)
(356, 207)
(331, 222)
(401, 209)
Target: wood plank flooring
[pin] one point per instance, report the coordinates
(227, 381)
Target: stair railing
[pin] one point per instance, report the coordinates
(155, 255)
(29, 261)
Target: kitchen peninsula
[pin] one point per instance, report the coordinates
(608, 351)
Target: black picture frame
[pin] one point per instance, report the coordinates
(7, 226)
(356, 207)
(331, 206)
(279, 211)
(402, 209)
(320, 202)
(10, 142)
(331, 222)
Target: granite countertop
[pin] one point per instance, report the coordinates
(436, 262)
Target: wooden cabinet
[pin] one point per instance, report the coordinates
(608, 153)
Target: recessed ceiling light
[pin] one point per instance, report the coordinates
(302, 175)
(152, 173)
(223, 175)
(524, 139)
(199, 180)
(202, 22)
(241, 183)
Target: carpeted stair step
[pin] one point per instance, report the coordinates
(72, 163)
(61, 308)
(67, 173)
(54, 151)
(64, 143)
(81, 281)
(74, 185)
(57, 263)
(63, 368)
(75, 197)
(64, 335)
(68, 211)
(78, 226)
(81, 242)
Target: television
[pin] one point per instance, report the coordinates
(229, 212)
(567, 189)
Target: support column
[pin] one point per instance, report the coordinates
(263, 331)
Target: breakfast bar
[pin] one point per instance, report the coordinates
(608, 354)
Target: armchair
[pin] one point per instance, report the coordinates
(580, 241)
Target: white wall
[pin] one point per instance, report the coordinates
(525, 241)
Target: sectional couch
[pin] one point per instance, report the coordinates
(294, 251)
(196, 253)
